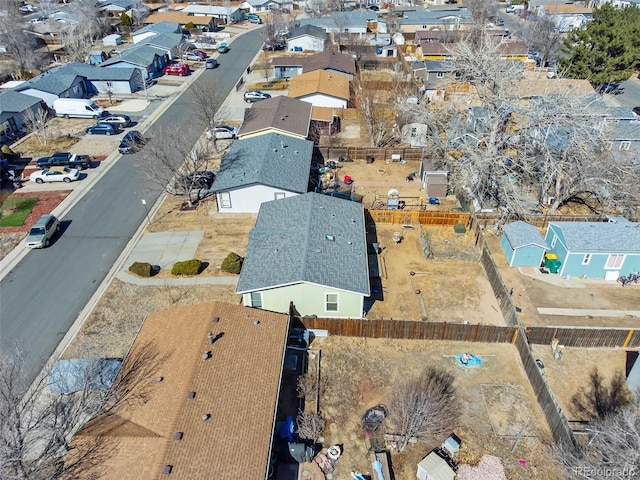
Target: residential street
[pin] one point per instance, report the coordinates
(42, 296)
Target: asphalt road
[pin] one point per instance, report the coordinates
(43, 295)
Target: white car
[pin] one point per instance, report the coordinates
(28, 9)
(38, 20)
(223, 132)
(55, 174)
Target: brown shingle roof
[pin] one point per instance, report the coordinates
(327, 60)
(283, 114)
(238, 386)
(319, 81)
(178, 17)
(566, 8)
(323, 114)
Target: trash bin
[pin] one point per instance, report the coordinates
(369, 158)
(550, 256)
(554, 266)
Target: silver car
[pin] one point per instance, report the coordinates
(43, 231)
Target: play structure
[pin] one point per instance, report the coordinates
(468, 360)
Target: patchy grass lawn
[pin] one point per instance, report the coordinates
(32, 148)
(14, 211)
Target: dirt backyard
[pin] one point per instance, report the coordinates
(567, 375)
(535, 290)
(496, 403)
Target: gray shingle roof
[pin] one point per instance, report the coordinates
(338, 20)
(601, 237)
(440, 17)
(289, 245)
(52, 81)
(93, 72)
(160, 27)
(522, 234)
(15, 102)
(310, 30)
(439, 66)
(625, 130)
(282, 113)
(275, 160)
(165, 40)
(142, 55)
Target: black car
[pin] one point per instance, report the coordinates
(103, 129)
(374, 8)
(64, 159)
(131, 142)
(636, 110)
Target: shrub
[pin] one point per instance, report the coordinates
(188, 267)
(142, 269)
(125, 20)
(232, 263)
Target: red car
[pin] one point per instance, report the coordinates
(179, 69)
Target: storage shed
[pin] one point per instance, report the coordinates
(523, 245)
(112, 40)
(435, 467)
(434, 182)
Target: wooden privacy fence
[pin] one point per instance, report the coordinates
(423, 217)
(402, 329)
(556, 420)
(378, 154)
(541, 221)
(585, 337)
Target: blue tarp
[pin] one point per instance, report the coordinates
(468, 360)
(77, 374)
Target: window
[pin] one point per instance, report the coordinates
(256, 299)
(614, 261)
(225, 200)
(440, 75)
(553, 242)
(624, 145)
(414, 132)
(278, 195)
(331, 302)
(586, 259)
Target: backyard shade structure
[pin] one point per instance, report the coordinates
(596, 249)
(523, 245)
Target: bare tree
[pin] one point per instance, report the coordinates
(36, 121)
(306, 386)
(80, 35)
(612, 449)
(207, 104)
(264, 64)
(171, 162)
(37, 421)
(598, 400)
(21, 45)
(542, 36)
(380, 116)
(424, 407)
(514, 150)
(310, 425)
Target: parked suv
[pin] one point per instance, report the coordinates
(43, 231)
(251, 96)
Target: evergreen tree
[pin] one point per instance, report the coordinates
(125, 20)
(606, 49)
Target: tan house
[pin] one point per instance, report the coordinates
(321, 89)
(281, 114)
(209, 411)
(201, 22)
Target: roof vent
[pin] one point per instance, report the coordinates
(210, 337)
(256, 322)
(215, 319)
(178, 435)
(206, 417)
(350, 242)
(330, 238)
(206, 355)
(166, 470)
(159, 379)
(191, 395)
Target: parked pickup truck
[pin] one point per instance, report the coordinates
(64, 159)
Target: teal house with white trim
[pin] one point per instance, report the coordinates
(595, 249)
(523, 244)
(307, 255)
